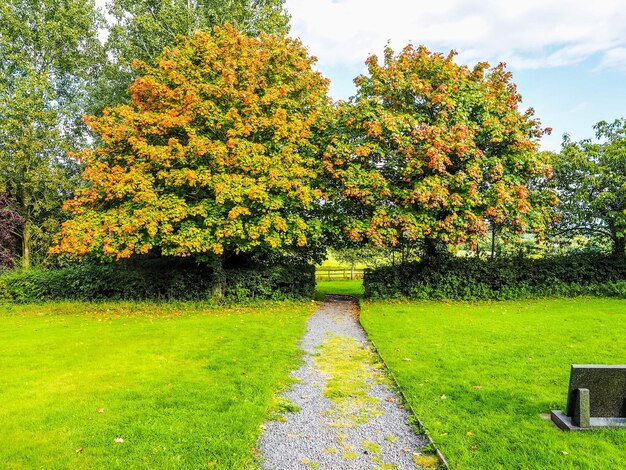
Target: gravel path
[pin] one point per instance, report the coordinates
(345, 432)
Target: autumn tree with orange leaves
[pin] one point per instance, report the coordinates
(216, 155)
(436, 152)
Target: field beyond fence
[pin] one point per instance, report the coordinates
(335, 274)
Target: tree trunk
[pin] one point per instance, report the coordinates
(27, 246)
(619, 246)
(219, 280)
(430, 248)
(493, 242)
(352, 272)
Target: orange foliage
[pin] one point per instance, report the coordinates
(216, 153)
(442, 147)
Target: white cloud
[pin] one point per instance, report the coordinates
(614, 58)
(524, 33)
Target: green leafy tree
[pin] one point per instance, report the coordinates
(590, 179)
(141, 29)
(49, 50)
(216, 156)
(432, 152)
(353, 254)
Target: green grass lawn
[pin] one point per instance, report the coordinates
(339, 287)
(479, 376)
(182, 386)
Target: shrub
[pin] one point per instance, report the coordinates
(156, 280)
(280, 282)
(500, 278)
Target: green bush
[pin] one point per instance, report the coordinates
(156, 280)
(500, 278)
(276, 283)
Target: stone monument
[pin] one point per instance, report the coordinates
(596, 398)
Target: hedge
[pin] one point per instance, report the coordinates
(500, 278)
(157, 280)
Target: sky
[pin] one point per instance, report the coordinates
(568, 57)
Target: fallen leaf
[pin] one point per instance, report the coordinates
(469, 433)
(407, 358)
(564, 452)
(477, 387)
(79, 450)
(119, 440)
(100, 410)
(305, 461)
(443, 397)
(474, 447)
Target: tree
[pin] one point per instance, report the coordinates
(141, 29)
(590, 179)
(10, 222)
(215, 156)
(353, 254)
(434, 152)
(31, 166)
(48, 52)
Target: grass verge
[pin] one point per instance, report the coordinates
(354, 288)
(480, 375)
(131, 385)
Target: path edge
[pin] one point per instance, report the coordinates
(442, 460)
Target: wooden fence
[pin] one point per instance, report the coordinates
(338, 274)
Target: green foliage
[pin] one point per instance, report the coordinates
(49, 53)
(275, 283)
(429, 149)
(141, 29)
(217, 155)
(156, 280)
(590, 178)
(55, 42)
(353, 255)
(101, 282)
(31, 152)
(500, 278)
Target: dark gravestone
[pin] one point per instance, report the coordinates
(596, 398)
